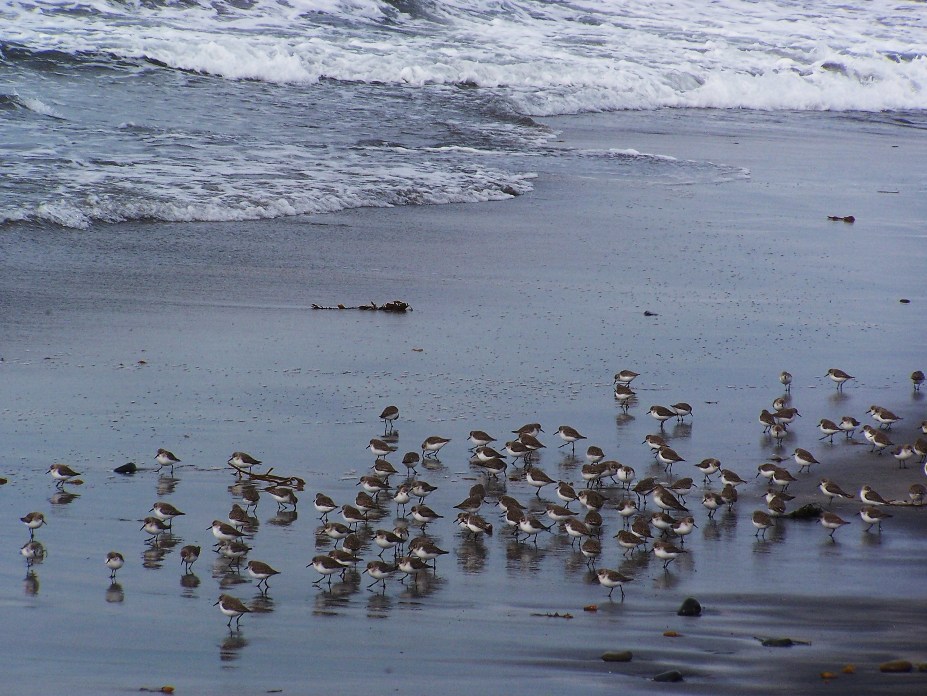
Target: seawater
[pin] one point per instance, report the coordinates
(219, 111)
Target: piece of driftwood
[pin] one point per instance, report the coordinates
(394, 306)
(291, 481)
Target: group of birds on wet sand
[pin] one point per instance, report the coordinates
(603, 484)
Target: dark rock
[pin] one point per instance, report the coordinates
(673, 675)
(129, 468)
(904, 300)
(617, 656)
(896, 666)
(811, 511)
(690, 607)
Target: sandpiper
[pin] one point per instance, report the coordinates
(166, 458)
(569, 435)
(666, 552)
(232, 607)
(785, 379)
(624, 395)
(804, 459)
(848, 425)
(379, 448)
(832, 522)
(681, 409)
(261, 572)
(625, 377)
(832, 490)
(661, 413)
(479, 438)
(838, 376)
(873, 515)
(165, 512)
(114, 561)
(62, 473)
(829, 428)
(324, 504)
(243, 460)
(762, 522)
(537, 478)
(389, 416)
(379, 571)
(33, 521)
(432, 445)
(917, 379)
(612, 579)
(188, 556)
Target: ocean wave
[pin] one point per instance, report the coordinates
(81, 212)
(548, 58)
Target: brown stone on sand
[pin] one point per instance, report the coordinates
(895, 666)
(617, 656)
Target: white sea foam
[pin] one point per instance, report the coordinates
(549, 58)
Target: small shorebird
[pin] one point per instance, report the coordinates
(114, 561)
(624, 395)
(661, 413)
(432, 445)
(379, 447)
(569, 435)
(708, 467)
(870, 497)
(166, 458)
(829, 428)
(666, 552)
(479, 438)
(324, 504)
(873, 515)
(232, 607)
(848, 425)
(389, 416)
(832, 490)
(838, 376)
(804, 459)
(762, 522)
(785, 379)
(243, 460)
(612, 579)
(62, 473)
(917, 379)
(188, 556)
(33, 521)
(625, 377)
(682, 409)
(261, 572)
(885, 418)
(326, 566)
(165, 511)
(832, 522)
(379, 571)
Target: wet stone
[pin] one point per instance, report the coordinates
(690, 607)
(617, 656)
(673, 675)
(895, 666)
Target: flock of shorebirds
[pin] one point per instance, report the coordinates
(577, 511)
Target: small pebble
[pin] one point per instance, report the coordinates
(617, 656)
(673, 675)
(894, 666)
(690, 607)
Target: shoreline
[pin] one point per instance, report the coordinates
(198, 338)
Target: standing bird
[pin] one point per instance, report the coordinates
(832, 522)
(661, 413)
(188, 556)
(838, 376)
(625, 377)
(166, 458)
(33, 521)
(242, 460)
(682, 409)
(62, 473)
(432, 445)
(612, 579)
(832, 490)
(261, 572)
(232, 607)
(785, 379)
(917, 379)
(569, 435)
(114, 561)
(829, 428)
(388, 416)
(804, 459)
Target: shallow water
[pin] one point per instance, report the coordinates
(525, 320)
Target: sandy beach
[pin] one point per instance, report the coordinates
(708, 280)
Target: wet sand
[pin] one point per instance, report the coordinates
(200, 338)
